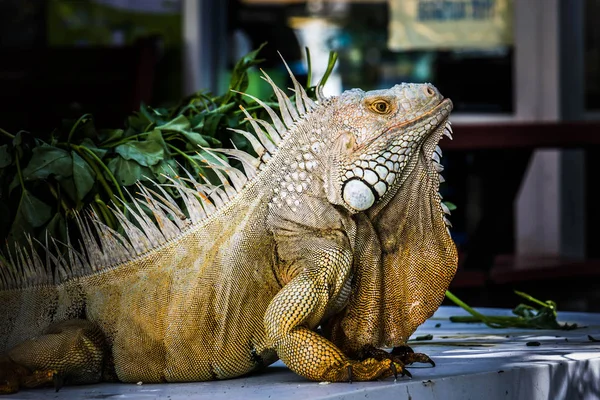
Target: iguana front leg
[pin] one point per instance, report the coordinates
(303, 302)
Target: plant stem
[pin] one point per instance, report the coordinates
(81, 119)
(309, 64)
(104, 210)
(471, 311)
(532, 299)
(127, 139)
(63, 204)
(19, 174)
(181, 153)
(81, 150)
(7, 134)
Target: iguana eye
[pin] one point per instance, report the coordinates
(381, 107)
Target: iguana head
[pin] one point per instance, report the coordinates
(382, 135)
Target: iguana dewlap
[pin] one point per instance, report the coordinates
(337, 223)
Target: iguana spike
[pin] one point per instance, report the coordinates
(281, 129)
(49, 261)
(90, 244)
(238, 179)
(168, 202)
(192, 203)
(218, 196)
(264, 139)
(249, 163)
(212, 192)
(288, 112)
(76, 265)
(229, 190)
(42, 275)
(167, 227)
(118, 250)
(209, 206)
(319, 92)
(108, 252)
(256, 145)
(297, 88)
(270, 130)
(11, 276)
(202, 192)
(154, 234)
(22, 265)
(62, 268)
(136, 237)
(308, 102)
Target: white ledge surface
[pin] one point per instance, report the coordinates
(473, 362)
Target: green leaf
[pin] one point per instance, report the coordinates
(212, 141)
(137, 122)
(68, 186)
(89, 144)
(5, 156)
(108, 135)
(83, 176)
(451, 206)
(333, 56)
(211, 125)
(196, 140)
(127, 172)
(239, 75)
(197, 121)
(182, 125)
(15, 183)
(151, 114)
(165, 167)
(47, 160)
(33, 210)
(56, 228)
(146, 153)
(179, 124)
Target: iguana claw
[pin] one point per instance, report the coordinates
(58, 380)
(408, 356)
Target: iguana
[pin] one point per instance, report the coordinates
(330, 245)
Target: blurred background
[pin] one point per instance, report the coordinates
(524, 76)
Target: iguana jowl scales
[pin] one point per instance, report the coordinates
(337, 223)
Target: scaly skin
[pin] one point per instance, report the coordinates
(365, 254)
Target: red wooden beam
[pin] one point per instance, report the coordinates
(522, 135)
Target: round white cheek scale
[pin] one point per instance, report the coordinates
(358, 195)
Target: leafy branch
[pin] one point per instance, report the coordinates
(43, 184)
(526, 316)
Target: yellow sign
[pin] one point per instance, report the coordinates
(450, 24)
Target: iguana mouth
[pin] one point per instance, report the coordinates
(443, 108)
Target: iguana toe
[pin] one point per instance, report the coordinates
(408, 356)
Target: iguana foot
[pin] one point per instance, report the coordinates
(402, 355)
(11, 375)
(14, 376)
(71, 351)
(365, 370)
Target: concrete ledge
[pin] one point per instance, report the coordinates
(473, 362)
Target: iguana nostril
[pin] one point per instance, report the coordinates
(429, 91)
